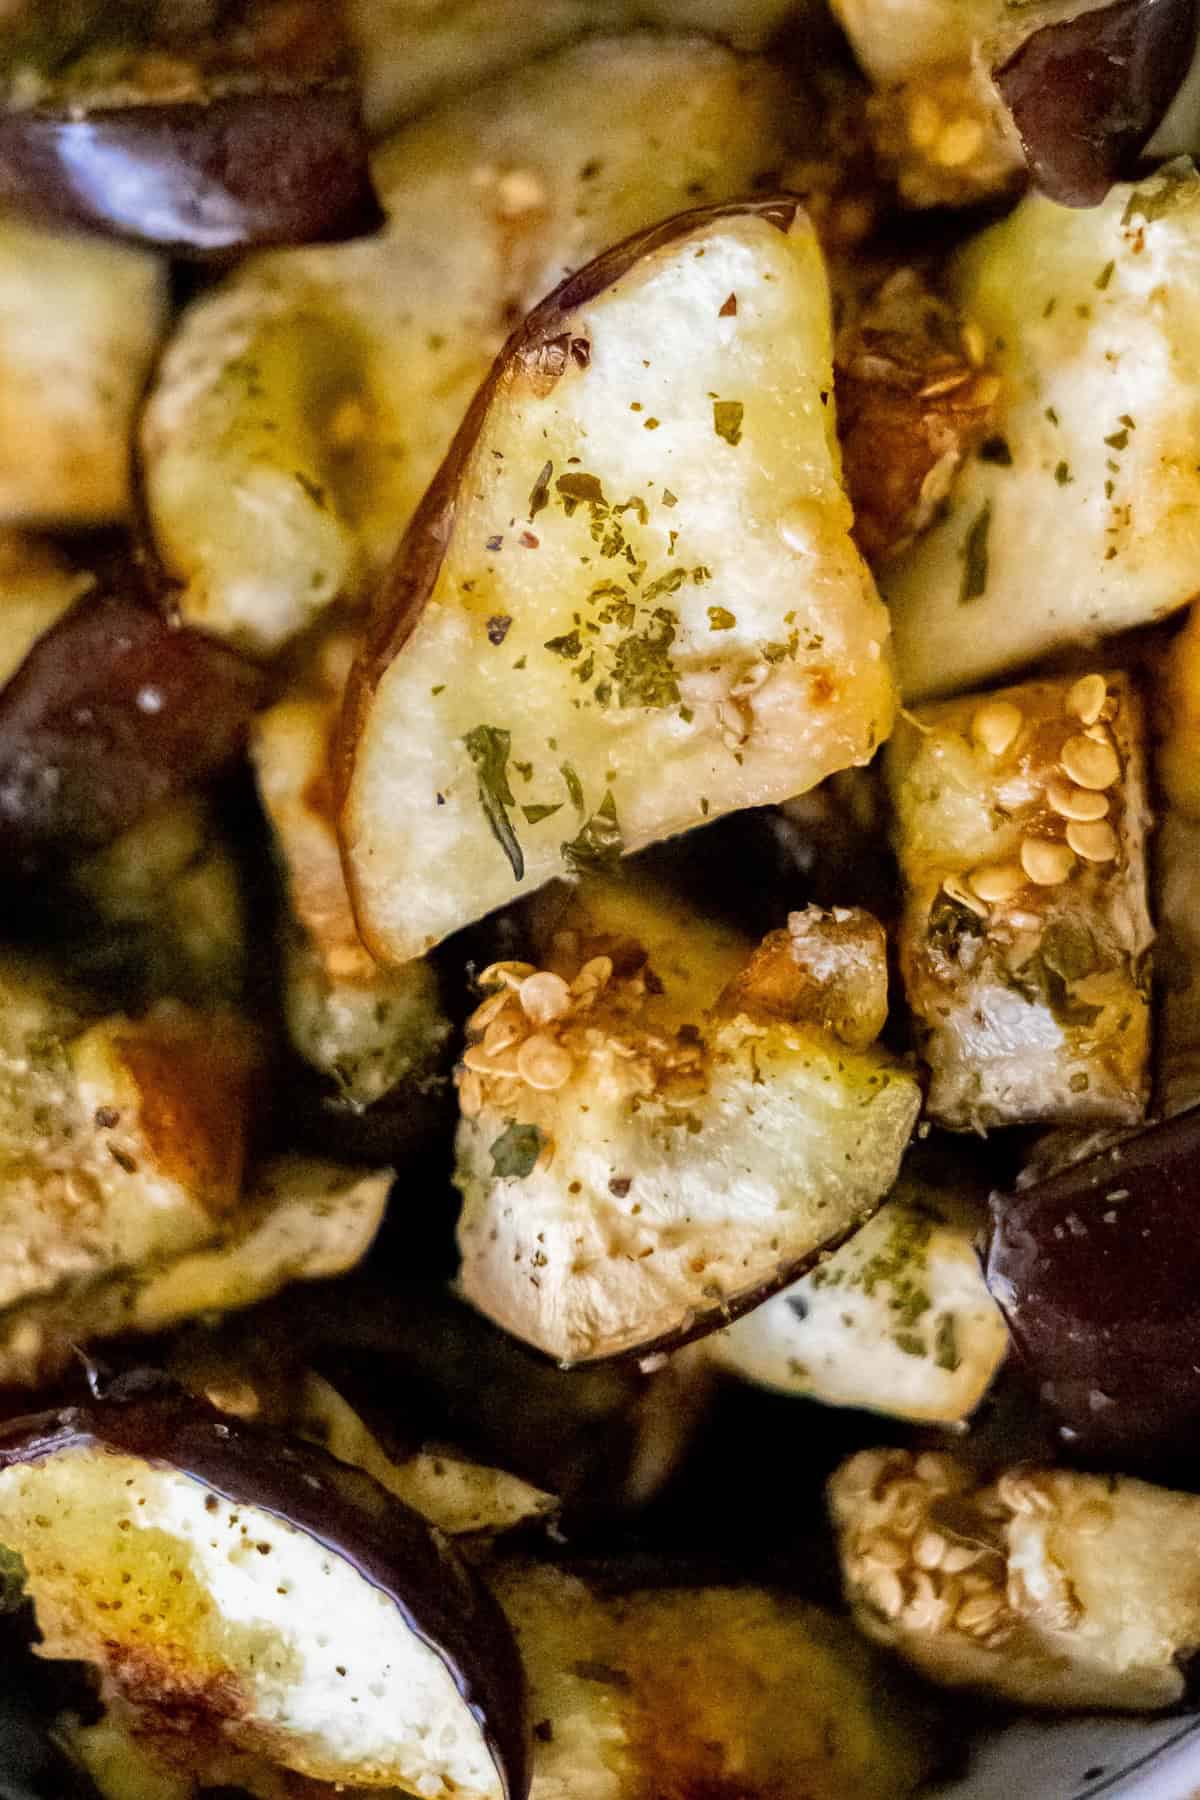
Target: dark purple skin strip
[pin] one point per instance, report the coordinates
(1097, 1270)
(442, 1601)
(1087, 94)
(203, 179)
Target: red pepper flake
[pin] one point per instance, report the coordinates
(527, 541)
(729, 310)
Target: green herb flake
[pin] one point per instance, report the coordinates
(1063, 475)
(539, 495)
(670, 583)
(515, 1152)
(535, 814)
(670, 499)
(488, 747)
(1069, 949)
(721, 619)
(574, 788)
(599, 844)
(1119, 439)
(975, 556)
(1078, 1083)
(945, 1344)
(911, 1342)
(570, 645)
(727, 420)
(574, 489)
(1105, 275)
(642, 667)
(996, 450)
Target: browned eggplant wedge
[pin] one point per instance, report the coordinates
(1078, 518)
(251, 1591)
(464, 1498)
(1097, 1271)
(708, 1690)
(242, 132)
(80, 322)
(1020, 828)
(298, 1220)
(110, 711)
(302, 410)
(379, 1036)
(639, 628)
(898, 1321)
(1086, 90)
(120, 1140)
(639, 1158)
(1045, 1587)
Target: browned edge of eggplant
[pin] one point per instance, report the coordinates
(146, 1415)
(1087, 93)
(199, 178)
(540, 350)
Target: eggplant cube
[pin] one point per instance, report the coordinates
(1020, 829)
(1080, 519)
(79, 326)
(255, 1594)
(635, 1168)
(898, 1321)
(1048, 1587)
(597, 634)
(365, 1027)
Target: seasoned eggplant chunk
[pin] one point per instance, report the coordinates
(898, 1321)
(415, 53)
(1047, 1587)
(913, 401)
(1020, 829)
(301, 411)
(112, 710)
(1097, 1270)
(299, 1220)
(462, 1497)
(968, 89)
(300, 1612)
(637, 1162)
(707, 1691)
(120, 1140)
(1080, 517)
(640, 629)
(204, 129)
(371, 1031)
(80, 322)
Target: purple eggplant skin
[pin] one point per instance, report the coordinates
(113, 709)
(201, 179)
(1097, 1270)
(1087, 94)
(145, 1415)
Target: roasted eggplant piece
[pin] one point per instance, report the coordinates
(112, 710)
(80, 323)
(377, 1035)
(120, 1140)
(1046, 1587)
(914, 399)
(297, 1610)
(638, 1162)
(203, 130)
(1078, 517)
(462, 1497)
(968, 89)
(746, 662)
(708, 1691)
(1096, 1269)
(898, 1321)
(299, 1220)
(414, 54)
(1020, 829)
(302, 410)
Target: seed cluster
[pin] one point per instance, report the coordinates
(1076, 795)
(925, 1553)
(539, 1028)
